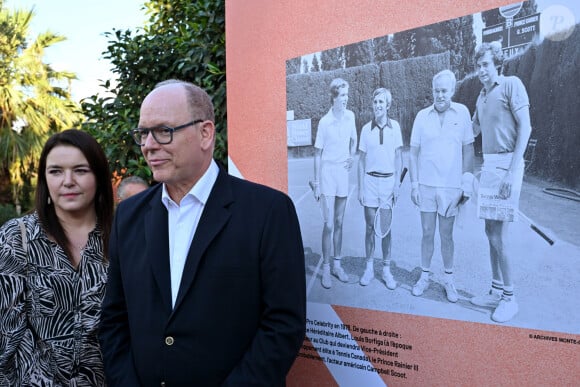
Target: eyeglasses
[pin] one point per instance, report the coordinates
(162, 134)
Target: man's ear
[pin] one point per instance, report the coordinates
(207, 131)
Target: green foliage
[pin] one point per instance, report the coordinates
(7, 212)
(34, 101)
(182, 40)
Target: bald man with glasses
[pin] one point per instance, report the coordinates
(206, 277)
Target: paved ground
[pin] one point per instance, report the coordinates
(547, 277)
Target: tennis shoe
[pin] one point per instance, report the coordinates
(420, 286)
(450, 291)
(368, 275)
(506, 310)
(326, 279)
(338, 272)
(489, 300)
(388, 278)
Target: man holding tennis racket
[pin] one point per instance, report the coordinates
(379, 165)
(502, 116)
(441, 151)
(335, 146)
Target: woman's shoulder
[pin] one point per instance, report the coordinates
(12, 250)
(13, 226)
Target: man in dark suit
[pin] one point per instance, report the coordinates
(206, 277)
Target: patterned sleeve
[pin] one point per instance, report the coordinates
(14, 333)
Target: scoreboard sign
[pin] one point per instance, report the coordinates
(514, 39)
(525, 29)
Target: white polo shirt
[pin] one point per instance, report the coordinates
(441, 145)
(334, 136)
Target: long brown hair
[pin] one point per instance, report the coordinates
(103, 202)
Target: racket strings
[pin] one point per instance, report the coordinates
(383, 220)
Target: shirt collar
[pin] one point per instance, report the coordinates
(497, 82)
(334, 118)
(452, 106)
(375, 125)
(200, 190)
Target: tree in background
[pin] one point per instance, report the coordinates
(182, 39)
(455, 35)
(315, 64)
(34, 103)
(405, 43)
(304, 66)
(332, 59)
(360, 53)
(385, 49)
(293, 66)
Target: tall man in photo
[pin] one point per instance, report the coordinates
(206, 279)
(502, 116)
(335, 147)
(441, 151)
(379, 167)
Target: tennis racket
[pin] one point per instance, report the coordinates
(500, 213)
(322, 204)
(466, 189)
(384, 214)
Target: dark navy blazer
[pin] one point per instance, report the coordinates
(239, 317)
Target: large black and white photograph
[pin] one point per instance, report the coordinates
(436, 171)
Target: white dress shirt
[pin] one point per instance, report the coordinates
(183, 219)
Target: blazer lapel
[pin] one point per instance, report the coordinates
(157, 247)
(214, 217)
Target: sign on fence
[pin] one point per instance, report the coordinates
(299, 132)
(516, 37)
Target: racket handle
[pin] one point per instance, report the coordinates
(542, 234)
(403, 175)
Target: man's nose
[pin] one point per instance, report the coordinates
(150, 141)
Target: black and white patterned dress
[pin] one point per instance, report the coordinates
(49, 311)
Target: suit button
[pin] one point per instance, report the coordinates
(169, 340)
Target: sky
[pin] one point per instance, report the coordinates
(83, 23)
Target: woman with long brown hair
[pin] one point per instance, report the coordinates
(53, 269)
